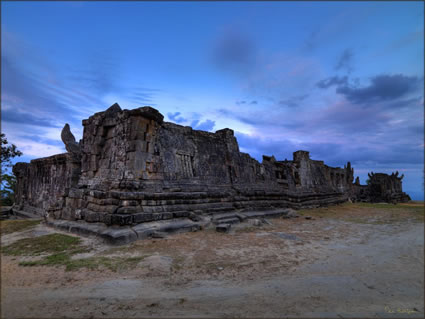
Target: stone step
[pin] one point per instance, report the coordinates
(119, 235)
(231, 220)
(217, 217)
(267, 213)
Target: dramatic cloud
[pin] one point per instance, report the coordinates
(345, 61)
(382, 87)
(233, 70)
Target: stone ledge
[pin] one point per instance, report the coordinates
(24, 214)
(116, 235)
(121, 235)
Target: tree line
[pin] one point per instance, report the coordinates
(8, 180)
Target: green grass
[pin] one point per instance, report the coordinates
(11, 226)
(61, 248)
(53, 243)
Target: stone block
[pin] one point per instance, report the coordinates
(142, 218)
(179, 214)
(129, 210)
(118, 236)
(92, 217)
(121, 220)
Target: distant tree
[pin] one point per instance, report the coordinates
(8, 180)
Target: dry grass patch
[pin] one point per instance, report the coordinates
(60, 249)
(52, 243)
(11, 226)
(370, 213)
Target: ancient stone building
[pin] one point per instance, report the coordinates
(381, 188)
(131, 167)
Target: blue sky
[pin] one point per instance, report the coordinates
(344, 80)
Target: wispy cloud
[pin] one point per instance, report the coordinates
(332, 81)
(294, 101)
(345, 61)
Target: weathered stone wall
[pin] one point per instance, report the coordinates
(43, 184)
(131, 167)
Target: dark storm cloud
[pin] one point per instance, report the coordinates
(382, 88)
(234, 51)
(359, 134)
(345, 61)
(331, 81)
(294, 101)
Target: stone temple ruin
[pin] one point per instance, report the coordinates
(133, 174)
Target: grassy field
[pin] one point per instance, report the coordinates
(374, 213)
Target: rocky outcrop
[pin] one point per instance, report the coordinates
(131, 167)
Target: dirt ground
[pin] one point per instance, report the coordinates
(351, 260)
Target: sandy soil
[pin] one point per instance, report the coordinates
(321, 267)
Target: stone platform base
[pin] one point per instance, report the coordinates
(120, 235)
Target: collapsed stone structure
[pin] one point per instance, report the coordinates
(133, 168)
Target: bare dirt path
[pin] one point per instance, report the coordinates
(367, 264)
